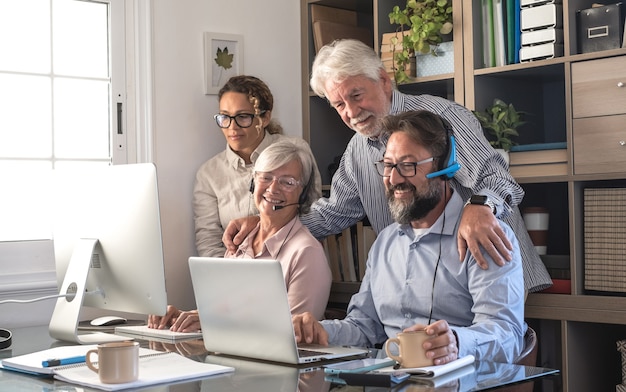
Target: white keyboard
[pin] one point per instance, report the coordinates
(145, 332)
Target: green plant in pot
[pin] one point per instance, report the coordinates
(422, 26)
(501, 121)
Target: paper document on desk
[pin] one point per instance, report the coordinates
(159, 368)
(32, 363)
(431, 371)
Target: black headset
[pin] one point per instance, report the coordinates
(447, 166)
(5, 338)
(305, 190)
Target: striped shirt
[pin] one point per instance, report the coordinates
(357, 190)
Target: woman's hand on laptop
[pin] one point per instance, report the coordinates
(308, 330)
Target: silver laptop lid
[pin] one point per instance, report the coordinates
(243, 308)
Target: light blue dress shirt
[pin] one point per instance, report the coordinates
(485, 308)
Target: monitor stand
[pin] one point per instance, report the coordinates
(65, 318)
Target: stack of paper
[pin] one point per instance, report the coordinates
(155, 367)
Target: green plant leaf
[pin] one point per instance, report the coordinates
(425, 21)
(500, 121)
(223, 59)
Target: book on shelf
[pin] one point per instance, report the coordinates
(366, 240)
(333, 257)
(325, 32)
(499, 32)
(347, 256)
(540, 146)
(360, 246)
(517, 28)
(537, 156)
(489, 48)
(347, 252)
(539, 170)
(537, 163)
(330, 23)
(155, 367)
(510, 31)
(333, 14)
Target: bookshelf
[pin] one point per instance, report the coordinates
(347, 253)
(575, 98)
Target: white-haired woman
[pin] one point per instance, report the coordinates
(282, 189)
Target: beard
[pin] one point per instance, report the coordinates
(421, 204)
(373, 128)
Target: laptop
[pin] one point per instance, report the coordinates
(244, 312)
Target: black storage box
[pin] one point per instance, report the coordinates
(600, 28)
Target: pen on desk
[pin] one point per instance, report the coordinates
(63, 361)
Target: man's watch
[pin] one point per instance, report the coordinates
(482, 200)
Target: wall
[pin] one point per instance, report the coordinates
(186, 134)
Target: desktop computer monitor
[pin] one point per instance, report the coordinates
(107, 245)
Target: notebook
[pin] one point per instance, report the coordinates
(155, 367)
(244, 312)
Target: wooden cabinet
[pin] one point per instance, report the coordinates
(576, 98)
(600, 144)
(599, 87)
(599, 115)
(580, 99)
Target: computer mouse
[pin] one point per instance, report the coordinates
(107, 320)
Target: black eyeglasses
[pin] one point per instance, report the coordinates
(243, 120)
(405, 169)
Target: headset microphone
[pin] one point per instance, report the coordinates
(276, 208)
(452, 166)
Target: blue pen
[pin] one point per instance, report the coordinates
(63, 361)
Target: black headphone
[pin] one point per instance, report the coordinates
(305, 190)
(447, 166)
(5, 338)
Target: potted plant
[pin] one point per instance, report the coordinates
(422, 26)
(501, 121)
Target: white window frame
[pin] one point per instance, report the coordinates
(28, 266)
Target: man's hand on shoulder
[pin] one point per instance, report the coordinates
(237, 230)
(308, 330)
(480, 228)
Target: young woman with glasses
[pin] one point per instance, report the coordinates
(221, 191)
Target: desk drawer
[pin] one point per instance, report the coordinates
(600, 145)
(599, 87)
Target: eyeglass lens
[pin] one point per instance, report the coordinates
(287, 183)
(405, 169)
(243, 120)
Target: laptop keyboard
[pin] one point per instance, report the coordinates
(310, 353)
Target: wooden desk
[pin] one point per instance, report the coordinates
(250, 375)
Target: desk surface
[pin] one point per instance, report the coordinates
(253, 375)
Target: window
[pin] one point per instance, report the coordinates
(62, 100)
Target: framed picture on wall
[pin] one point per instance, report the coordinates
(223, 58)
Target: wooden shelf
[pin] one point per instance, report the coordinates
(544, 89)
(584, 308)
